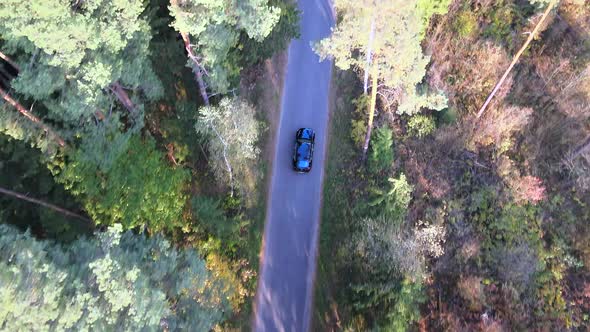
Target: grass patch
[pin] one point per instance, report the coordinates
(337, 210)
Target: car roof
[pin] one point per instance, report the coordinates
(303, 151)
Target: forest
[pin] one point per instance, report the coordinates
(460, 218)
(136, 140)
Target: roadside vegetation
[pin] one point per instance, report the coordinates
(453, 222)
(133, 126)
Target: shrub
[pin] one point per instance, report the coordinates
(421, 126)
(359, 120)
(466, 24)
(381, 154)
(138, 189)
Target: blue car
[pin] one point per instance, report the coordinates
(303, 154)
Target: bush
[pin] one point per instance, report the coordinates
(359, 120)
(381, 154)
(421, 125)
(466, 24)
(139, 189)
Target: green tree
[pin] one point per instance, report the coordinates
(138, 188)
(215, 27)
(383, 39)
(114, 281)
(394, 201)
(232, 131)
(76, 57)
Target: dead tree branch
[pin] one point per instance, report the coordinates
(31, 117)
(44, 204)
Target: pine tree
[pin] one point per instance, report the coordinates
(214, 27)
(382, 38)
(114, 281)
(75, 56)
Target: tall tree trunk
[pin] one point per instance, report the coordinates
(31, 117)
(45, 204)
(516, 58)
(369, 54)
(374, 81)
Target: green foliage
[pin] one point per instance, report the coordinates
(515, 248)
(394, 201)
(18, 127)
(211, 216)
(406, 309)
(500, 27)
(114, 281)
(359, 120)
(381, 153)
(232, 131)
(421, 125)
(413, 102)
(393, 269)
(71, 52)
(252, 51)
(24, 170)
(428, 8)
(216, 27)
(466, 24)
(139, 189)
(399, 30)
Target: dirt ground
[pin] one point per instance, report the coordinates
(263, 87)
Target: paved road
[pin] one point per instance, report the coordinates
(284, 298)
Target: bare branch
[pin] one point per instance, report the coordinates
(45, 204)
(227, 164)
(31, 117)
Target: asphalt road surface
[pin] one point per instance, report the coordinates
(285, 289)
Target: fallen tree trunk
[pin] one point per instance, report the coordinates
(198, 69)
(45, 204)
(516, 58)
(31, 117)
(9, 61)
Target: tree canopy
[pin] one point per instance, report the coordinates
(388, 35)
(216, 26)
(116, 280)
(73, 55)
